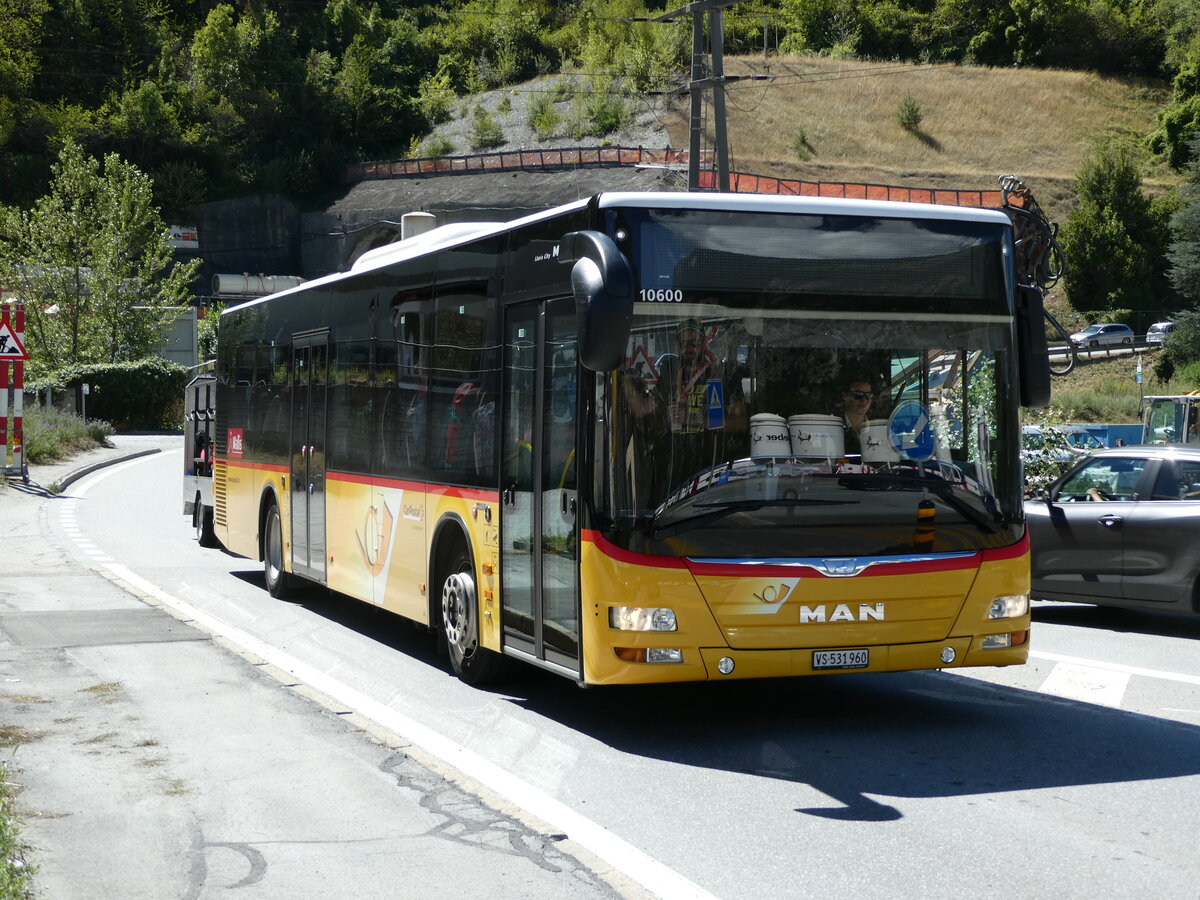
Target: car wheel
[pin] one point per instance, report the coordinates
(1126, 340)
(1093, 343)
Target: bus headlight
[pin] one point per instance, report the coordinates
(1009, 607)
(642, 618)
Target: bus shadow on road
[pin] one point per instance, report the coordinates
(385, 628)
(918, 735)
(902, 735)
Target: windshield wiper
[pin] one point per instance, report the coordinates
(721, 510)
(945, 492)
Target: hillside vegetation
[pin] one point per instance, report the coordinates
(824, 119)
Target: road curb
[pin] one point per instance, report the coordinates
(74, 475)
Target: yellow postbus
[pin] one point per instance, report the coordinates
(652, 437)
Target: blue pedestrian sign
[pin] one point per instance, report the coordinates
(714, 402)
(910, 431)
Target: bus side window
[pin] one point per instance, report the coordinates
(464, 379)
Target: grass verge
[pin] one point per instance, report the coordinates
(1106, 389)
(52, 435)
(15, 875)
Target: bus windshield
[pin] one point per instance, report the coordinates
(808, 385)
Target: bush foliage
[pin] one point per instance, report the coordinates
(140, 395)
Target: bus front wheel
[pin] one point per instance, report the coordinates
(279, 582)
(471, 662)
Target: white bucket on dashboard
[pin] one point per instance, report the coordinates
(769, 437)
(817, 437)
(876, 447)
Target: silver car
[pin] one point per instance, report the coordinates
(1103, 336)
(1158, 332)
(1122, 528)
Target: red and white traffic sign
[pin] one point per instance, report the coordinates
(11, 347)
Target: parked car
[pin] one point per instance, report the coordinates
(1121, 528)
(1047, 442)
(1103, 336)
(1079, 438)
(1158, 332)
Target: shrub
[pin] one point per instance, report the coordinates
(801, 146)
(437, 145)
(909, 114)
(485, 132)
(435, 97)
(543, 118)
(51, 434)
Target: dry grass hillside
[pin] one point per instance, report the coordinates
(977, 123)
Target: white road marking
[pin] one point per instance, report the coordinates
(1090, 684)
(1117, 667)
(621, 855)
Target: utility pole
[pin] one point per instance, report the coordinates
(715, 82)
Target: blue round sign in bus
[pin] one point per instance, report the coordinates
(911, 431)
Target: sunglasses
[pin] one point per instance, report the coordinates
(860, 395)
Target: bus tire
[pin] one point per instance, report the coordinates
(279, 583)
(202, 519)
(472, 663)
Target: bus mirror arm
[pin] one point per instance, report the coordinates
(1033, 354)
(602, 281)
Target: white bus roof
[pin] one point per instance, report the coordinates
(447, 236)
(812, 205)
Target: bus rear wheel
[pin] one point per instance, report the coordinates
(472, 663)
(279, 583)
(203, 520)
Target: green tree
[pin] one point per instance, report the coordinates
(1183, 346)
(1184, 252)
(92, 261)
(1179, 120)
(1115, 239)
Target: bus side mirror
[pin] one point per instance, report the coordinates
(1033, 356)
(602, 281)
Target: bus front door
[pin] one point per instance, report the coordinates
(539, 535)
(310, 355)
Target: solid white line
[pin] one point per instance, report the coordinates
(1117, 667)
(621, 855)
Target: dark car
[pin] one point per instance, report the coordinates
(1121, 528)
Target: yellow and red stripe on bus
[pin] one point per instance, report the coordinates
(378, 534)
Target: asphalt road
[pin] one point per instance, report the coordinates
(1074, 775)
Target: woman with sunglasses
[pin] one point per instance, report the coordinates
(856, 403)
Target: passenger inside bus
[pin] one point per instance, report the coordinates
(855, 405)
(695, 413)
(684, 381)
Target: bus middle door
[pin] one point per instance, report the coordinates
(310, 376)
(539, 534)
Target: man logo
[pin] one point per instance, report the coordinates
(867, 612)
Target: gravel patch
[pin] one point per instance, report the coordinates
(510, 109)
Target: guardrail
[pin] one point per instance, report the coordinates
(1139, 343)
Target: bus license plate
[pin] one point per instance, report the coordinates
(841, 659)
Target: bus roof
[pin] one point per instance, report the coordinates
(455, 234)
(795, 204)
